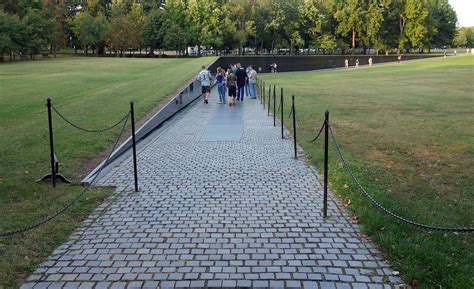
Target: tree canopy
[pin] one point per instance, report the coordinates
(28, 26)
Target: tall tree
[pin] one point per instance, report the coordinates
(152, 30)
(136, 20)
(312, 20)
(119, 33)
(350, 17)
(443, 20)
(414, 17)
(40, 31)
(373, 22)
(90, 30)
(11, 33)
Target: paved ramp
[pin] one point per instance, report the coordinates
(222, 203)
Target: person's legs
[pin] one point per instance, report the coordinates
(203, 92)
(222, 92)
(253, 89)
(221, 95)
(207, 90)
(241, 93)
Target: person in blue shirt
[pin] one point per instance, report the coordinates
(220, 80)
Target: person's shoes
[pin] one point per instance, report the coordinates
(206, 102)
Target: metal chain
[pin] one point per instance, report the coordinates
(86, 129)
(319, 133)
(75, 200)
(387, 211)
(296, 116)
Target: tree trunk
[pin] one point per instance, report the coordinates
(353, 39)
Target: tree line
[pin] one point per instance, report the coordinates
(120, 26)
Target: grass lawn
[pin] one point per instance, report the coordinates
(408, 132)
(94, 92)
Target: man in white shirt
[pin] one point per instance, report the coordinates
(205, 78)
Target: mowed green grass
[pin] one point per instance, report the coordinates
(407, 131)
(93, 92)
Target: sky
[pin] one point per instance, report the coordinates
(464, 10)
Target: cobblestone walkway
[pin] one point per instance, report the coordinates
(218, 214)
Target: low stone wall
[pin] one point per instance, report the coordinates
(309, 62)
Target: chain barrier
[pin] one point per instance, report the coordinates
(319, 133)
(296, 117)
(387, 211)
(76, 199)
(86, 129)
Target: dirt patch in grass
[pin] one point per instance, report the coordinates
(384, 158)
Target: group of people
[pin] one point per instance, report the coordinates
(346, 62)
(236, 82)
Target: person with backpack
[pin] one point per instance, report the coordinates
(232, 86)
(205, 78)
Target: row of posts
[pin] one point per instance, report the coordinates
(265, 100)
(52, 151)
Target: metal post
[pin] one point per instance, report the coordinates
(326, 153)
(135, 174)
(263, 100)
(269, 98)
(293, 109)
(51, 144)
(274, 106)
(281, 110)
(258, 89)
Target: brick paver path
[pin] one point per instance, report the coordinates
(216, 208)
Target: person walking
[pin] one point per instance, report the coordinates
(346, 63)
(247, 89)
(357, 63)
(241, 79)
(370, 61)
(220, 80)
(231, 86)
(273, 67)
(205, 78)
(252, 77)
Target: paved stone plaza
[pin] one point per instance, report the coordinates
(222, 203)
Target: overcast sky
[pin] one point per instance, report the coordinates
(465, 11)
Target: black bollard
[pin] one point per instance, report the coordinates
(293, 109)
(274, 106)
(134, 146)
(51, 144)
(269, 98)
(281, 110)
(326, 156)
(263, 100)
